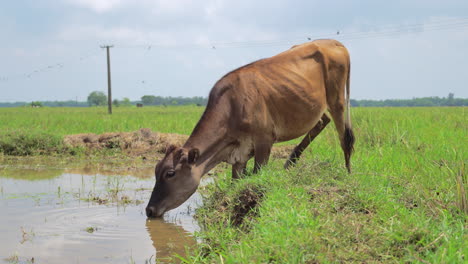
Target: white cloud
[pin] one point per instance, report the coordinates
(171, 6)
(119, 35)
(165, 7)
(98, 6)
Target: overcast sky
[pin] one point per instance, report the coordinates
(51, 49)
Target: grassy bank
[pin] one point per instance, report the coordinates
(404, 202)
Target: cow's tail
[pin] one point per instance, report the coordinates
(348, 135)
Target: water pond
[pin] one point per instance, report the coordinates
(75, 216)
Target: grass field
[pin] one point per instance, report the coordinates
(404, 202)
(66, 120)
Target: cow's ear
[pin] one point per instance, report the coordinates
(193, 156)
(170, 148)
(178, 155)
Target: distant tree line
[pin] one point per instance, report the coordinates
(424, 101)
(97, 98)
(68, 103)
(100, 99)
(159, 100)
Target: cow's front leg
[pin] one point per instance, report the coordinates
(238, 169)
(262, 153)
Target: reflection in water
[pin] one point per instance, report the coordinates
(142, 173)
(168, 239)
(30, 174)
(45, 167)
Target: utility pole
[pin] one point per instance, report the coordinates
(109, 90)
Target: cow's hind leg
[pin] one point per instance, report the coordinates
(309, 137)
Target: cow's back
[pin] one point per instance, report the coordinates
(286, 94)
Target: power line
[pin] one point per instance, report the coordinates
(51, 66)
(375, 33)
(388, 31)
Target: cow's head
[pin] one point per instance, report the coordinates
(177, 178)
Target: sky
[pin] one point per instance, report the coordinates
(51, 49)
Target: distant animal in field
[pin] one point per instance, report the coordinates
(271, 100)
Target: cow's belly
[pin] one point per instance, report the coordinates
(289, 133)
(295, 124)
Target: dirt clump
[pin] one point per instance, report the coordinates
(247, 201)
(142, 141)
(135, 143)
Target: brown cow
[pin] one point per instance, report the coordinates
(270, 100)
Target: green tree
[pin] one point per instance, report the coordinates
(148, 99)
(36, 104)
(116, 103)
(125, 102)
(450, 99)
(97, 98)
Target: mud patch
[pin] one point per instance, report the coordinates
(247, 201)
(234, 206)
(281, 152)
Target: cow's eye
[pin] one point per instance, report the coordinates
(170, 174)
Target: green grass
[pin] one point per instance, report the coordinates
(400, 204)
(405, 201)
(65, 121)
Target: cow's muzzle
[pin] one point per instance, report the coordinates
(151, 211)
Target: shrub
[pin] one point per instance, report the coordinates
(22, 143)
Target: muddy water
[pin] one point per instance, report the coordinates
(59, 216)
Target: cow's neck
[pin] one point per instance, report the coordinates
(211, 138)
